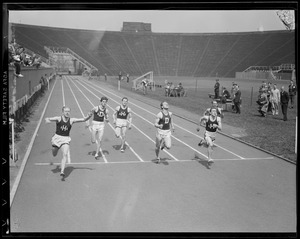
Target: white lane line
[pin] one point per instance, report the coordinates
(132, 124)
(169, 161)
(104, 158)
(152, 124)
(24, 161)
(63, 92)
(89, 84)
(131, 149)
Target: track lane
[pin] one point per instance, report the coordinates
(241, 196)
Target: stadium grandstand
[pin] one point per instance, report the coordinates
(136, 50)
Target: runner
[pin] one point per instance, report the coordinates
(163, 123)
(61, 138)
(100, 113)
(122, 119)
(212, 124)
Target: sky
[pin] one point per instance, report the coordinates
(189, 21)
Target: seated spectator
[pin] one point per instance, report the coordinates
(16, 54)
(263, 103)
(36, 61)
(180, 90)
(225, 95)
(214, 104)
(27, 60)
(167, 88)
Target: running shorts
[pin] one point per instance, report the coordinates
(58, 140)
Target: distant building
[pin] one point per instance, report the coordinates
(136, 27)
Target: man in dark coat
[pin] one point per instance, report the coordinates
(292, 93)
(217, 89)
(284, 100)
(237, 100)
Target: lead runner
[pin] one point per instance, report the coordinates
(61, 139)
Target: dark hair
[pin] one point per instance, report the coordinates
(103, 98)
(124, 98)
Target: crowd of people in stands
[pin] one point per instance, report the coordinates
(174, 91)
(18, 56)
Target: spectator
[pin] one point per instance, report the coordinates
(284, 100)
(292, 93)
(105, 77)
(120, 76)
(180, 90)
(275, 99)
(263, 103)
(233, 90)
(269, 88)
(172, 87)
(217, 89)
(237, 100)
(16, 57)
(225, 95)
(144, 85)
(127, 77)
(167, 88)
(262, 87)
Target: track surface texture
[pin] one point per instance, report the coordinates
(244, 190)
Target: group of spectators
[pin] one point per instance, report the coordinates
(235, 96)
(174, 91)
(270, 97)
(18, 56)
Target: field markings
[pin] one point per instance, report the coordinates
(169, 161)
(131, 149)
(63, 92)
(229, 151)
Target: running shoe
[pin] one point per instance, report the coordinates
(158, 160)
(210, 161)
(96, 155)
(201, 143)
(62, 174)
(162, 147)
(122, 150)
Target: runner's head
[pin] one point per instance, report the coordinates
(213, 111)
(103, 100)
(66, 111)
(124, 101)
(164, 105)
(214, 103)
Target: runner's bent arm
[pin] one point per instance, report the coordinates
(115, 114)
(129, 117)
(77, 120)
(172, 123)
(158, 117)
(52, 119)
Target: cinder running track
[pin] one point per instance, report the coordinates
(244, 190)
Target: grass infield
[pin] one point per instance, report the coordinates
(270, 133)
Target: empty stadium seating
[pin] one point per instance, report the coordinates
(166, 54)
